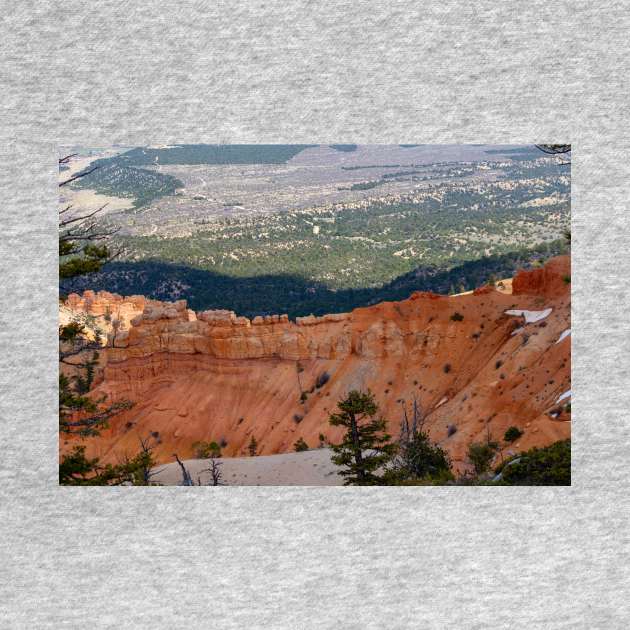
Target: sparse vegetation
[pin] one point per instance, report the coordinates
(322, 379)
(205, 450)
(481, 454)
(457, 317)
(300, 445)
(512, 434)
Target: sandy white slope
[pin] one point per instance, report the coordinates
(308, 468)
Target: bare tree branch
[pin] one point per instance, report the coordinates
(75, 352)
(96, 419)
(81, 236)
(66, 159)
(215, 472)
(557, 150)
(554, 149)
(78, 176)
(81, 218)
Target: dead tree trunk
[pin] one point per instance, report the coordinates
(186, 478)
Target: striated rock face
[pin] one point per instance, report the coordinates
(217, 376)
(223, 335)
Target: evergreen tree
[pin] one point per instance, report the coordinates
(546, 466)
(252, 447)
(76, 469)
(366, 446)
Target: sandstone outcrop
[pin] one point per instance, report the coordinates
(550, 280)
(217, 376)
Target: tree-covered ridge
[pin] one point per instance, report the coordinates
(115, 179)
(267, 293)
(212, 154)
(123, 176)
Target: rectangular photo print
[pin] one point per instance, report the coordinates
(315, 315)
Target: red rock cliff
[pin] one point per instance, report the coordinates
(217, 376)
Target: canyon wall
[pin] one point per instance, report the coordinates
(213, 375)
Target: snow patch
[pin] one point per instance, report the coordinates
(530, 316)
(442, 401)
(564, 335)
(566, 394)
(517, 330)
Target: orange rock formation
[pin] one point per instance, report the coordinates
(216, 376)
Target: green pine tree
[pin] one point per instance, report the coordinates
(76, 469)
(365, 448)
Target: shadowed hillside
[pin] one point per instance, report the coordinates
(268, 294)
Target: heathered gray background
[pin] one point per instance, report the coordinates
(121, 72)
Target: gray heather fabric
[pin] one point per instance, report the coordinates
(121, 72)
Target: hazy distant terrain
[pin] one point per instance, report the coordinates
(322, 227)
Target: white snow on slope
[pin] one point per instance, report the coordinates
(530, 316)
(564, 335)
(566, 394)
